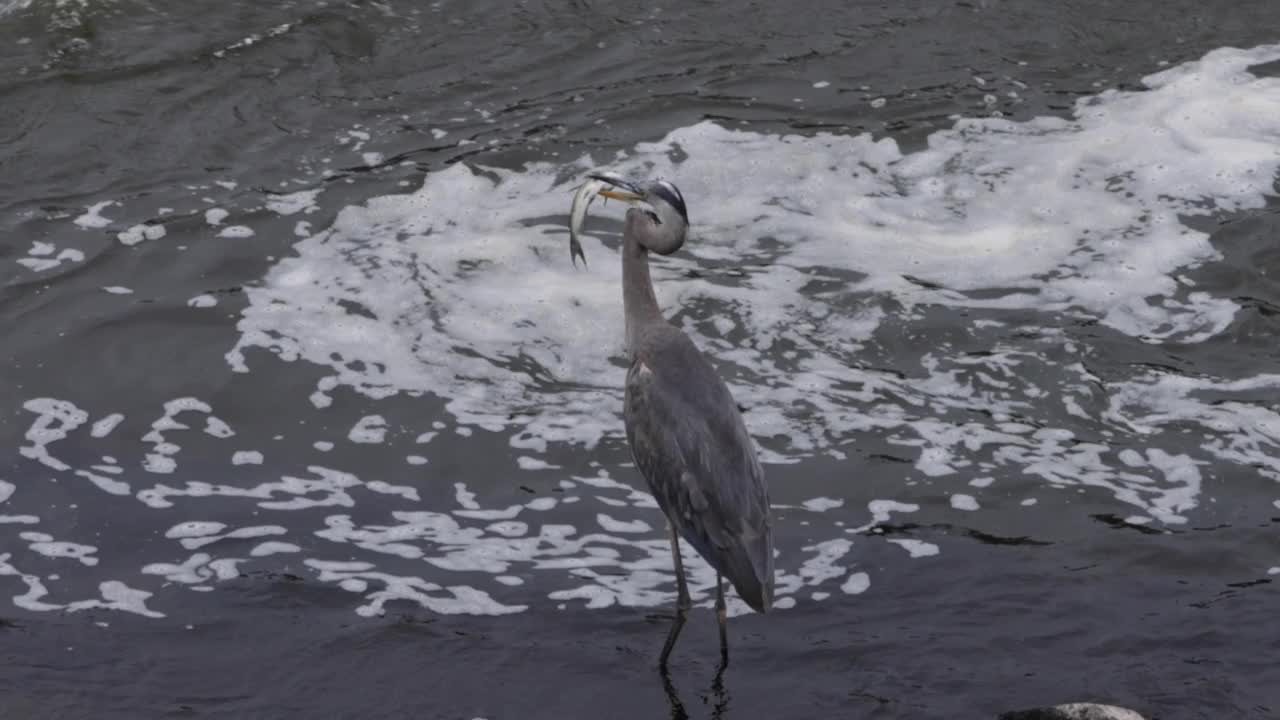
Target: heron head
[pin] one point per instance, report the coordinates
(660, 227)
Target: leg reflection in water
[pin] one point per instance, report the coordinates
(718, 698)
(673, 697)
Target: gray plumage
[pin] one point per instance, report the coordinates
(686, 434)
(691, 445)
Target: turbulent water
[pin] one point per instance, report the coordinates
(302, 392)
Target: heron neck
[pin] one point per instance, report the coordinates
(638, 301)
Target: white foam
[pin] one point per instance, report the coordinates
(386, 488)
(273, 547)
(118, 596)
(916, 548)
(461, 289)
(881, 511)
(161, 459)
(92, 217)
(541, 504)
(54, 419)
(328, 488)
(1076, 215)
(118, 290)
(215, 216)
(530, 463)
(36, 590)
(194, 542)
(19, 520)
(856, 584)
(626, 564)
(45, 545)
(1239, 431)
(246, 457)
(454, 599)
(825, 564)
(370, 429)
(217, 427)
(138, 233)
(6, 490)
(202, 301)
(293, 203)
(41, 264)
(822, 504)
(194, 529)
(106, 484)
(104, 426)
(194, 571)
(619, 526)
(115, 595)
(236, 231)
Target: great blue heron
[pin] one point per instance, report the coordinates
(685, 431)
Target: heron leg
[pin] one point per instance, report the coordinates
(723, 618)
(682, 602)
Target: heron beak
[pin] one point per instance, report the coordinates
(622, 189)
(623, 195)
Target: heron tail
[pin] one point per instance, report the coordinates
(748, 563)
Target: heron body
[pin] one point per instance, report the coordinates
(686, 434)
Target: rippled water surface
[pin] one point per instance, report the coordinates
(309, 415)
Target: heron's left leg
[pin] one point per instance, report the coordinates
(723, 618)
(683, 603)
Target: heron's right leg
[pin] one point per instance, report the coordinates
(722, 617)
(683, 602)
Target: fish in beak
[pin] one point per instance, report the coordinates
(604, 184)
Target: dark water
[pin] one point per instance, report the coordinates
(1126, 553)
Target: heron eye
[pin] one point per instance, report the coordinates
(654, 215)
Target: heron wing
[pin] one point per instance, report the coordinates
(690, 443)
